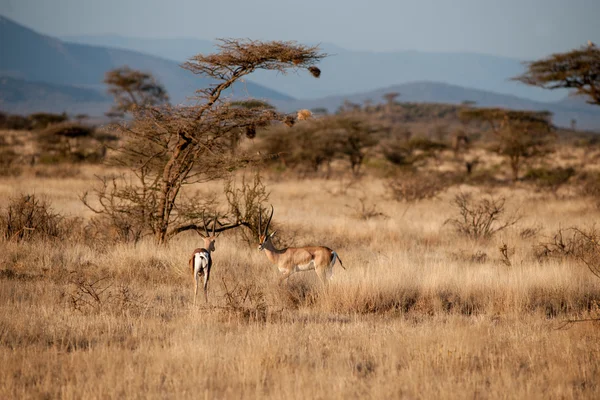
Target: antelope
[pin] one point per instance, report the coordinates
(295, 259)
(201, 260)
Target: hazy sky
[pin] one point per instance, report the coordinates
(518, 28)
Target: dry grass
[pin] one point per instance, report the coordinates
(420, 312)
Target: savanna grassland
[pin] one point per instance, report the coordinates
(420, 311)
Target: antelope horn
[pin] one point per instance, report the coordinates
(269, 222)
(204, 222)
(259, 222)
(214, 224)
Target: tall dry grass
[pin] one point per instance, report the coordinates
(420, 312)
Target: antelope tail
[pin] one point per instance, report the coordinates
(334, 257)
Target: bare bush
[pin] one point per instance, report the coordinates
(245, 299)
(93, 295)
(365, 211)
(580, 244)
(588, 248)
(246, 202)
(482, 218)
(412, 187)
(564, 243)
(27, 218)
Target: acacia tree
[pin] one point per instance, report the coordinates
(519, 135)
(131, 88)
(168, 147)
(355, 137)
(577, 69)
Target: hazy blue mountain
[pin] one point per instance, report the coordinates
(27, 55)
(587, 116)
(24, 97)
(347, 71)
(179, 49)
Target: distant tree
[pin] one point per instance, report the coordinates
(43, 120)
(520, 135)
(169, 147)
(577, 69)
(131, 88)
(354, 137)
(67, 141)
(390, 99)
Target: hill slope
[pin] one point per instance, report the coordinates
(27, 55)
(18, 96)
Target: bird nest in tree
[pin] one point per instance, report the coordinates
(316, 72)
(251, 132)
(289, 120)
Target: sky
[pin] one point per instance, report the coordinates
(524, 29)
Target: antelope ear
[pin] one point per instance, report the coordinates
(272, 234)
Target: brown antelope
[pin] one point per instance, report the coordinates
(201, 260)
(295, 259)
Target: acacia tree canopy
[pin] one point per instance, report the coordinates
(577, 69)
(519, 135)
(168, 147)
(131, 88)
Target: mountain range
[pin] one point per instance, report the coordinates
(30, 56)
(348, 71)
(42, 73)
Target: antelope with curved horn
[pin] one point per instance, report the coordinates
(295, 259)
(201, 260)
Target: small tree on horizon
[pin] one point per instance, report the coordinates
(131, 88)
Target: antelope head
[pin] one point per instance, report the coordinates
(209, 238)
(264, 237)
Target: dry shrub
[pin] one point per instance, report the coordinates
(588, 248)
(365, 211)
(28, 218)
(528, 233)
(582, 245)
(415, 187)
(94, 295)
(103, 231)
(246, 300)
(564, 243)
(246, 201)
(482, 218)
